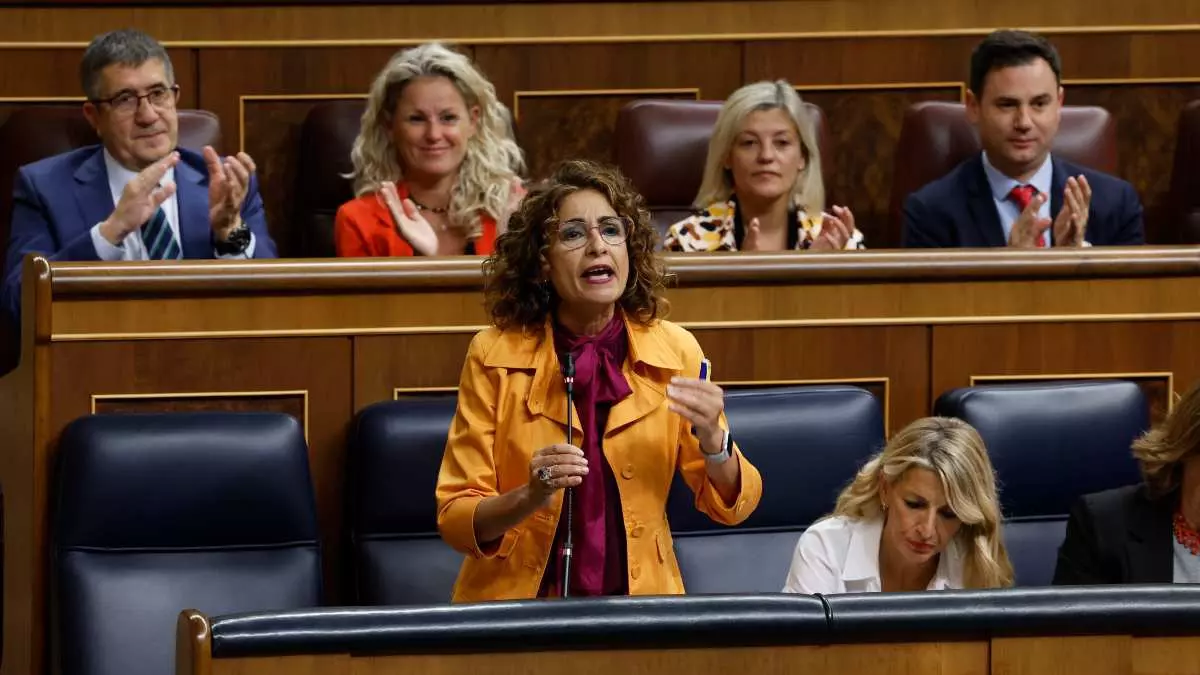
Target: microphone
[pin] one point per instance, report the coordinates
(569, 496)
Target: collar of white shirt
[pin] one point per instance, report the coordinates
(861, 571)
(119, 176)
(1001, 184)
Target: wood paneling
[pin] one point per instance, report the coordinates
(576, 125)
(1147, 118)
(865, 128)
(501, 20)
(40, 73)
(271, 130)
(387, 362)
(1101, 655)
(960, 352)
(898, 353)
(293, 404)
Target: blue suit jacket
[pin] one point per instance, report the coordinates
(957, 210)
(57, 201)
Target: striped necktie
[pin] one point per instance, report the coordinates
(159, 239)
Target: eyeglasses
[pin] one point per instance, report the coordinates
(573, 234)
(127, 102)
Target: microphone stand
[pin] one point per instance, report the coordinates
(569, 495)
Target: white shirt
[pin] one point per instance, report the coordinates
(1002, 185)
(132, 247)
(841, 555)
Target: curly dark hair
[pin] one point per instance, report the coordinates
(516, 291)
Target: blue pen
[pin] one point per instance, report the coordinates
(705, 373)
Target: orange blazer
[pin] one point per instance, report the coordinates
(511, 403)
(363, 228)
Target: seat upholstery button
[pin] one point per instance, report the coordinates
(635, 572)
(627, 472)
(637, 531)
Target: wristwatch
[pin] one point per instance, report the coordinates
(237, 242)
(725, 453)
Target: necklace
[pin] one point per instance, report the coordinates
(1184, 534)
(422, 207)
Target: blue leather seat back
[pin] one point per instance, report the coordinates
(157, 513)
(807, 443)
(396, 452)
(1050, 443)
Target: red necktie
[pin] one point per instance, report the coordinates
(1022, 195)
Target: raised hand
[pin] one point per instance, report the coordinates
(228, 184)
(409, 222)
(139, 200)
(836, 230)
(752, 240)
(700, 402)
(1070, 226)
(553, 468)
(1029, 227)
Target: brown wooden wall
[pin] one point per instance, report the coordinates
(565, 69)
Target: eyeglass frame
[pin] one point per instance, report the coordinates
(138, 98)
(556, 229)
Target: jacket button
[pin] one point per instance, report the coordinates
(635, 572)
(627, 472)
(637, 531)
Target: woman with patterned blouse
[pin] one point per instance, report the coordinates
(762, 188)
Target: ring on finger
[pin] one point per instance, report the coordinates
(543, 474)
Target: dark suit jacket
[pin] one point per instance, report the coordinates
(957, 210)
(1119, 536)
(58, 200)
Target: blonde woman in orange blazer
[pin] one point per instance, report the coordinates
(576, 272)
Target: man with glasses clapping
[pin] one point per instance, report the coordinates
(137, 196)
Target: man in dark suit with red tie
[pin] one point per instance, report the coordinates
(136, 196)
(1016, 193)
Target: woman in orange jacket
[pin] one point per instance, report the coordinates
(576, 273)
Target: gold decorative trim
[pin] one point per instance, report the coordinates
(547, 93)
(467, 41)
(1130, 80)
(886, 403)
(242, 99)
(1152, 375)
(43, 99)
(397, 392)
(886, 86)
(208, 394)
(690, 325)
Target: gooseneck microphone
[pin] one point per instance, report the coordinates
(569, 496)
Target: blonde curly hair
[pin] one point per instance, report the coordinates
(493, 160)
(953, 451)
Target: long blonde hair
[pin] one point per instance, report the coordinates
(953, 451)
(717, 186)
(1161, 451)
(492, 160)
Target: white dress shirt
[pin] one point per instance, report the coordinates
(132, 247)
(841, 555)
(1002, 185)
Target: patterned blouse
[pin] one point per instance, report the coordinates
(719, 228)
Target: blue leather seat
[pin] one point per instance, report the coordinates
(807, 442)
(396, 451)
(157, 513)
(1051, 443)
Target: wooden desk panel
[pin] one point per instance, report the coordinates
(256, 334)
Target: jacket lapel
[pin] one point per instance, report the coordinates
(1058, 183)
(1149, 547)
(192, 196)
(649, 368)
(94, 195)
(982, 206)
